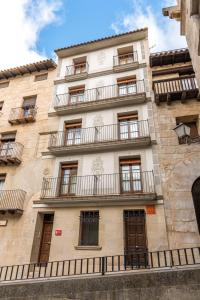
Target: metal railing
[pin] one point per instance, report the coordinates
(100, 93)
(21, 113)
(76, 69)
(12, 199)
(135, 260)
(100, 134)
(125, 59)
(175, 85)
(99, 185)
(11, 150)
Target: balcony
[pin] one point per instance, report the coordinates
(12, 201)
(77, 72)
(100, 138)
(10, 153)
(169, 90)
(100, 98)
(125, 62)
(105, 189)
(21, 115)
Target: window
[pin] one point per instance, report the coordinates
(4, 84)
(126, 86)
(72, 133)
(68, 178)
(89, 228)
(195, 7)
(125, 55)
(2, 181)
(1, 105)
(80, 65)
(28, 106)
(7, 140)
(192, 122)
(130, 171)
(41, 77)
(77, 94)
(128, 126)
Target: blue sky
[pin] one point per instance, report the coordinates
(82, 20)
(37, 27)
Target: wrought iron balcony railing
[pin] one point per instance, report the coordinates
(134, 131)
(77, 69)
(12, 200)
(175, 89)
(98, 94)
(99, 185)
(125, 59)
(22, 115)
(11, 153)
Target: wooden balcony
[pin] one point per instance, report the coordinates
(125, 62)
(21, 115)
(100, 138)
(76, 72)
(100, 98)
(99, 190)
(170, 90)
(10, 153)
(12, 201)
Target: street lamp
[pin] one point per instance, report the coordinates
(183, 132)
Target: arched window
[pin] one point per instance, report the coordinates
(196, 200)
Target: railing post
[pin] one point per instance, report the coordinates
(103, 260)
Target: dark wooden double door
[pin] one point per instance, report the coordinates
(135, 238)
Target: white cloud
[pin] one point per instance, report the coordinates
(21, 22)
(164, 34)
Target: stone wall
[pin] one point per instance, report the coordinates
(180, 167)
(160, 285)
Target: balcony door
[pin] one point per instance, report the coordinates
(28, 106)
(126, 86)
(131, 177)
(77, 94)
(68, 179)
(128, 126)
(72, 134)
(135, 241)
(7, 141)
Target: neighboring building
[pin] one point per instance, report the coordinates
(176, 101)
(103, 196)
(25, 96)
(188, 13)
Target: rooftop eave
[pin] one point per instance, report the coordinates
(39, 66)
(173, 12)
(103, 43)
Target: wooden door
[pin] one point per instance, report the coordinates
(45, 244)
(135, 237)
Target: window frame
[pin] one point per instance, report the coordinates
(73, 171)
(89, 240)
(130, 162)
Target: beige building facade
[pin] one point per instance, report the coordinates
(25, 94)
(188, 13)
(102, 190)
(176, 101)
(89, 175)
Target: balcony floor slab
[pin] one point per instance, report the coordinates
(101, 104)
(99, 147)
(99, 201)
